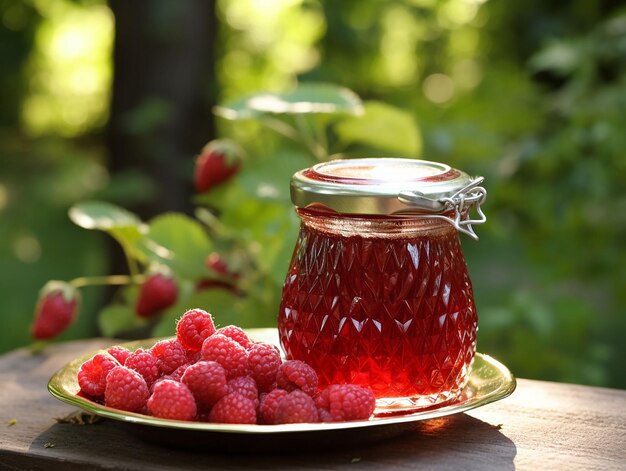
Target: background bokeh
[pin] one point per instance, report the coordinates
(113, 101)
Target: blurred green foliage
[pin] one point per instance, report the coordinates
(530, 94)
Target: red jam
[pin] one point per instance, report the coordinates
(382, 302)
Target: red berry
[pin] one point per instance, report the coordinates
(207, 382)
(235, 333)
(126, 390)
(93, 373)
(155, 294)
(227, 279)
(178, 373)
(269, 402)
(193, 357)
(193, 328)
(246, 386)
(228, 353)
(171, 355)
(296, 407)
(119, 353)
(233, 409)
(172, 400)
(263, 363)
(296, 374)
(145, 364)
(219, 161)
(55, 311)
(215, 262)
(346, 402)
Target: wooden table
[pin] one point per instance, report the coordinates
(541, 426)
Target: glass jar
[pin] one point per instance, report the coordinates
(377, 292)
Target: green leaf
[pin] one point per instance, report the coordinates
(384, 127)
(179, 242)
(102, 216)
(269, 181)
(561, 57)
(124, 226)
(116, 318)
(307, 98)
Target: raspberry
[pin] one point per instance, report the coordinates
(226, 279)
(56, 310)
(263, 363)
(178, 373)
(219, 161)
(235, 333)
(233, 409)
(93, 373)
(170, 353)
(119, 353)
(228, 353)
(346, 402)
(126, 390)
(296, 407)
(267, 408)
(145, 364)
(193, 357)
(155, 294)
(324, 415)
(193, 328)
(207, 382)
(172, 400)
(246, 386)
(295, 374)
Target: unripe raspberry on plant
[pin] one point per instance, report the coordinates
(218, 161)
(158, 292)
(226, 277)
(56, 309)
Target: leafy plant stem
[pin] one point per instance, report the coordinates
(133, 268)
(281, 128)
(83, 281)
(318, 151)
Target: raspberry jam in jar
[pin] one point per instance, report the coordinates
(377, 292)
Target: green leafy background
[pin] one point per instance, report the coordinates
(532, 95)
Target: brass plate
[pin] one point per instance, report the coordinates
(489, 381)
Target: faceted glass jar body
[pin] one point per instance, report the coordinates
(384, 302)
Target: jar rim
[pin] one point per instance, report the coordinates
(377, 186)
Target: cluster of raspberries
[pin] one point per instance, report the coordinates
(220, 376)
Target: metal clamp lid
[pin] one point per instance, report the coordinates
(461, 202)
(392, 187)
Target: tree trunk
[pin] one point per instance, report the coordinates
(163, 92)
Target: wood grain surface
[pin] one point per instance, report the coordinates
(541, 426)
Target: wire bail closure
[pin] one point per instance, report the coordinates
(470, 196)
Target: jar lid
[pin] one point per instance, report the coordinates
(392, 187)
